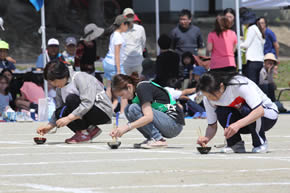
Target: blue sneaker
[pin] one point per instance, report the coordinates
(203, 115)
(196, 115)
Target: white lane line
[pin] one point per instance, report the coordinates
(50, 188)
(201, 157)
(142, 172)
(195, 185)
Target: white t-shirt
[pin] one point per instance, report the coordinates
(115, 39)
(173, 92)
(237, 95)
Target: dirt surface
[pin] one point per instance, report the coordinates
(93, 167)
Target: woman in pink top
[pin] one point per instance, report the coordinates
(222, 44)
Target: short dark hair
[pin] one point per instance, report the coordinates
(174, 83)
(188, 55)
(164, 41)
(186, 12)
(55, 70)
(2, 77)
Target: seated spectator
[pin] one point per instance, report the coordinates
(167, 63)
(70, 50)
(188, 62)
(31, 92)
(190, 106)
(4, 63)
(13, 85)
(266, 81)
(5, 96)
(52, 53)
(86, 53)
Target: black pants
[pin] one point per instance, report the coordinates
(94, 116)
(253, 70)
(229, 69)
(269, 90)
(256, 129)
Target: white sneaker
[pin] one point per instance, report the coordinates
(237, 148)
(261, 149)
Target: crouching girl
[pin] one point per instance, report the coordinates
(240, 107)
(81, 103)
(153, 111)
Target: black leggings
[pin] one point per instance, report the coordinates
(94, 116)
(256, 129)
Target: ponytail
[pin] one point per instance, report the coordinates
(120, 81)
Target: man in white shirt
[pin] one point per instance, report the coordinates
(135, 39)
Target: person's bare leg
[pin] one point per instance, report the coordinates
(108, 89)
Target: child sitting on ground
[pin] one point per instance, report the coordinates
(190, 106)
(5, 97)
(188, 63)
(4, 63)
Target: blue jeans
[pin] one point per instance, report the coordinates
(162, 125)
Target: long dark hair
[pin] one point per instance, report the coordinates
(120, 81)
(210, 82)
(2, 77)
(259, 26)
(222, 23)
(55, 70)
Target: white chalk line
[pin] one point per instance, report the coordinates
(195, 185)
(200, 157)
(142, 172)
(43, 187)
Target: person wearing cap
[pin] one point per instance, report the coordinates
(266, 81)
(254, 45)
(86, 53)
(70, 50)
(114, 60)
(52, 53)
(4, 63)
(135, 39)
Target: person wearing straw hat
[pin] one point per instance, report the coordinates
(114, 60)
(4, 63)
(86, 53)
(135, 39)
(266, 81)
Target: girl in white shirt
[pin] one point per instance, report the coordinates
(254, 44)
(113, 62)
(240, 107)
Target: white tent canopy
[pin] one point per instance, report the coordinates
(264, 4)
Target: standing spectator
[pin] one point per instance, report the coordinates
(271, 44)
(231, 15)
(114, 60)
(266, 81)
(70, 50)
(167, 63)
(222, 44)
(86, 53)
(51, 54)
(4, 63)
(135, 39)
(185, 36)
(188, 62)
(254, 44)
